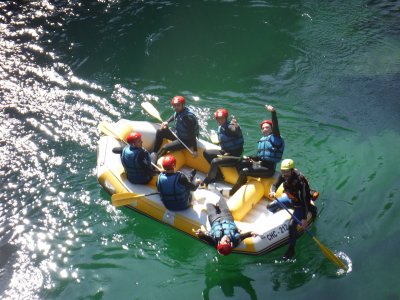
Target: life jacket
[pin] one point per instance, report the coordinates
(291, 187)
(229, 143)
(181, 128)
(223, 227)
(174, 195)
(270, 148)
(134, 171)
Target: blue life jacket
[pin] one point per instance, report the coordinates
(134, 171)
(181, 128)
(270, 148)
(229, 143)
(223, 227)
(174, 195)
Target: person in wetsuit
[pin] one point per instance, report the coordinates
(224, 233)
(297, 194)
(230, 139)
(186, 128)
(269, 152)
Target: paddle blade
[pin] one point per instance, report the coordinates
(106, 128)
(330, 255)
(147, 106)
(122, 199)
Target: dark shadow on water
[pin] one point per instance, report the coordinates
(226, 277)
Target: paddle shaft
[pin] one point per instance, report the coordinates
(105, 127)
(147, 106)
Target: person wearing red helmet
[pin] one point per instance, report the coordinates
(224, 233)
(186, 128)
(231, 141)
(175, 187)
(136, 159)
(269, 153)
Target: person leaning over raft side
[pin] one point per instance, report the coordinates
(269, 152)
(231, 141)
(175, 187)
(187, 130)
(297, 194)
(224, 233)
(136, 160)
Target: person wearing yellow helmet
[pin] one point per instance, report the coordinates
(297, 194)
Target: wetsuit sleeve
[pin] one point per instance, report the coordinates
(185, 182)
(205, 236)
(303, 196)
(275, 125)
(170, 119)
(191, 125)
(277, 183)
(232, 130)
(244, 236)
(145, 163)
(117, 150)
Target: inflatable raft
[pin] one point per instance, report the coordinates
(248, 204)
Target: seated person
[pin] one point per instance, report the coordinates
(136, 160)
(269, 153)
(175, 187)
(231, 141)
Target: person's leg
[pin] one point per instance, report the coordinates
(293, 233)
(170, 147)
(274, 205)
(225, 212)
(244, 169)
(212, 212)
(160, 135)
(210, 154)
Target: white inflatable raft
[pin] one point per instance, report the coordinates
(248, 204)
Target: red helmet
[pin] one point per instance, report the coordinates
(133, 136)
(266, 121)
(169, 162)
(224, 249)
(221, 112)
(178, 99)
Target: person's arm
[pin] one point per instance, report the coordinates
(275, 185)
(117, 150)
(205, 236)
(275, 125)
(233, 129)
(191, 125)
(145, 163)
(246, 235)
(185, 182)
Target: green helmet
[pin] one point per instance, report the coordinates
(287, 164)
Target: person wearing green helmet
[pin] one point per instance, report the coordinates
(297, 194)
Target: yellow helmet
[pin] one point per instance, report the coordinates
(287, 164)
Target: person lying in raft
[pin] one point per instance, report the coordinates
(187, 130)
(230, 139)
(175, 187)
(269, 153)
(224, 233)
(136, 160)
(297, 194)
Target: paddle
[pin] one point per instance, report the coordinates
(122, 199)
(105, 128)
(147, 106)
(328, 253)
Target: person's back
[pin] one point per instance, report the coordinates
(174, 195)
(136, 160)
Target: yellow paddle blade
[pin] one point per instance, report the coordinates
(330, 255)
(106, 128)
(124, 198)
(147, 106)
